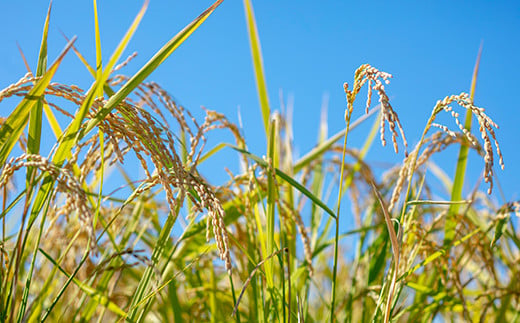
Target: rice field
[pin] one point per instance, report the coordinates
(265, 246)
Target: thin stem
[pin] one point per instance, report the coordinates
(336, 237)
(237, 317)
(413, 164)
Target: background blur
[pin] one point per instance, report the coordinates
(309, 50)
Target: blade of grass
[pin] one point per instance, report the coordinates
(165, 284)
(149, 67)
(324, 146)
(99, 62)
(35, 120)
(99, 75)
(395, 250)
(14, 125)
(81, 57)
(348, 114)
(71, 135)
(251, 276)
(462, 161)
(55, 126)
(271, 196)
(286, 178)
(91, 292)
(258, 65)
(429, 202)
(139, 296)
(33, 144)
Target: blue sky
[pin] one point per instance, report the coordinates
(310, 48)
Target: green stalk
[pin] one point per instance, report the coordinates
(462, 161)
(414, 161)
(213, 294)
(271, 198)
(232, 286)
(336, 236)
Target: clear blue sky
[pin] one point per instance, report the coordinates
(310, 48)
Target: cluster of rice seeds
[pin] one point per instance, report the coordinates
(375, 78)
(486, 130)
(25, 84)
(20, 86)
(144, 135)
(147, 137)
(124, 63)
(149, 93)
(91, 160)
(215, 217)
(67, 183)
(436, 143)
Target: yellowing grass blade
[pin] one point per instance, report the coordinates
(99, 64)
(55, 126)
(150, 66)
(15, 123)
(81, 57)
(256, 53)
(122, 45)
(271, 197)
(70, 137)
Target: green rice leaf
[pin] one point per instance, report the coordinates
(462, 161)
(149, 67)
(91, 292)
(14, 125)
(258, 65)
(33, 144)
(99, 64)
(35, 122)
(499, 229)
(71, 135)
(322, 147)
(288, 179)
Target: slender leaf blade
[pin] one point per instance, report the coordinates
(150, 66)
(14, 125)
(35, 122)
(99, 62)
(256, 53)
(71, 135)
(462, 161)
(288, 179)
(92, 292)
(33, 143)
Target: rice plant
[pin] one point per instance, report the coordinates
(114, 222)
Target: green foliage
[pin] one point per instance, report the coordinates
(266, 246)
